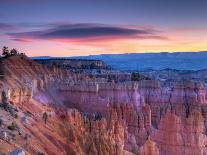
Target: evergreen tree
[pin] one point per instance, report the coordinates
(45, 117)
(13, 52)
(5, 51)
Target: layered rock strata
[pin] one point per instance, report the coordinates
(173, 114)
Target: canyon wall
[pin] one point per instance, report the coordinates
(151, 117)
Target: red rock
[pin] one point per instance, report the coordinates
(149, 148)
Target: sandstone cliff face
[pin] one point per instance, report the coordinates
(95, 136)
(181, 136)
(175, 134)
(149, 148)
(173, 114)
(67, 132)
(179, 97)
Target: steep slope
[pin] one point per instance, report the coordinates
(66, 131)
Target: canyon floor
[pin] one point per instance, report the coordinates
(84, 107)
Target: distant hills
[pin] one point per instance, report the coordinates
(150, 61)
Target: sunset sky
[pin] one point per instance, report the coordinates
(85, 27)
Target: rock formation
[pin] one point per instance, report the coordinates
(181, 136)
(149, 148)
(95, 115)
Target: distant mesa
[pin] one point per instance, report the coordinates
(190, 61)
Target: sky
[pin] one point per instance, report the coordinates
(89, 27)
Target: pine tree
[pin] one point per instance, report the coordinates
(45, 117)
(5, 51)
(13, 52)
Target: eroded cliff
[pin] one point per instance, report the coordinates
(146, 116)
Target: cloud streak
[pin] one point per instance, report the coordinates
(6, 27)
(87, 32)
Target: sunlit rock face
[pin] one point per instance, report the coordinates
(90, 137)
(94, 97)
(175, 134)
(181, 136)
(179, 97)
(146, 117)
(149, 148)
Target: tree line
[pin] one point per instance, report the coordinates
(6, 52)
